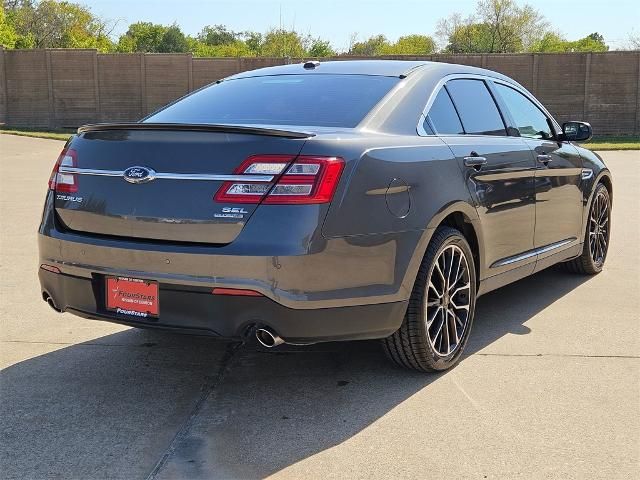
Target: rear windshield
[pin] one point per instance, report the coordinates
(314, 100)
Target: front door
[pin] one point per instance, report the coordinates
(557, 177)
(558, 194)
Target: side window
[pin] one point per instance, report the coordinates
(477, 109)
(443, 116)
(530, 121)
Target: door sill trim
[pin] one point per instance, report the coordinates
(532, 253)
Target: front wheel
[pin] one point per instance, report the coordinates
(597, 234)
(438, 321)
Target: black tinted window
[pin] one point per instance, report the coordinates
(443, 116)
(320, 100)
(476, 107)
(528, 118)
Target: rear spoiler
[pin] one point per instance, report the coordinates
(246, 129)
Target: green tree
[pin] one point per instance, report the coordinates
(142, 37)
(57, 24)
(8, 35)
(253, 40)
(498, 26)
(593, 42)
(282, 43)
(173, 41)
(150, 37)
(554, 42)
(411, 45)
(374, 45)
(217, 35)
(320, 48)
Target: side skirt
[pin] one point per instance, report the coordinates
(538, 264)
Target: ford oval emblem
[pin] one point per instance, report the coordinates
(139, 174)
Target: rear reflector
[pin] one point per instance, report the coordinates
(236, 291)
(309, 180)
(64, 182)
(50, 268)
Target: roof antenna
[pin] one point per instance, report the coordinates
(311, 64)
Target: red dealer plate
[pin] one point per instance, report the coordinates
(132, 296)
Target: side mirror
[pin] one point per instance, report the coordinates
(577, 131)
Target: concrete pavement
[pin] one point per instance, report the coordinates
(549, 387)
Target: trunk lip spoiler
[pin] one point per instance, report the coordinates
(198, 127)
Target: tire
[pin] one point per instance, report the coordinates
(416, 344)
(591, 260)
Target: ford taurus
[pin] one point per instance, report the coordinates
(324, 201)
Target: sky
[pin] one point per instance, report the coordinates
(338, 20)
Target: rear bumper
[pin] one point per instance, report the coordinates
(193, 309)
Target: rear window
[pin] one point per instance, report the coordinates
(477, 109)
(443, 115)
(314, 100)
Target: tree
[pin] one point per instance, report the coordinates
(320, 48)
(8, 35)
(153, 38)
(57, 24)
(236, 49)
(253, 40)
(372, 46)
(591, 43)
(498, 26)
(554, 42)
(217, 35)
(173, 41)
(142, 37)
(282, 43)
(411, 45)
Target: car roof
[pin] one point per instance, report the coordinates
(387, 68)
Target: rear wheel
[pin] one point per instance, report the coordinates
(597, 234)
(436, 326)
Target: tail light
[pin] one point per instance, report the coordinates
(61, 181)
(310, 179)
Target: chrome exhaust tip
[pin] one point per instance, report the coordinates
(52, 304)
(267, 338)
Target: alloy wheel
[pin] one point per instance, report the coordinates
(599, 228)
(448, 300)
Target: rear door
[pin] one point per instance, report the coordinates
(558, 171)
(160, 184)
(499, 169)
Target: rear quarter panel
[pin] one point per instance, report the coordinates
(393, 193)
(392, 185)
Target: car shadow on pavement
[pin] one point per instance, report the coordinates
(135, 402)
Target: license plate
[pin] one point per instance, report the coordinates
(132, 296)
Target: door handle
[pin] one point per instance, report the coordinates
(475, 161)
(542, 158)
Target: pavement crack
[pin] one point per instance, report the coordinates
(558, 355)
(208, 387)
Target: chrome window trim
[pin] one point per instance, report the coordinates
(171, 176)
(487, 78)
(528, 95)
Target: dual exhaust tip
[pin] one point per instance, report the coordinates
(268, 338)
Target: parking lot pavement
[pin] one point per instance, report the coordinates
(549, 388)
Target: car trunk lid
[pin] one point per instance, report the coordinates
(158, 182)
